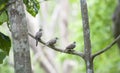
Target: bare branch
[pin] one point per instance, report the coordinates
(58, 49)
(106, 48)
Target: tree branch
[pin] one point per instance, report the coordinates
(87, 41)
(106, 48)
(86, 30)
(58, 49)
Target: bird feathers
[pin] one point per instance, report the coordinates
(71, 46)
(52, 41)
(38, 36)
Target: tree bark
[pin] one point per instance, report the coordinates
(89, 66)
(116, 24)
(22, 62)
(87, 41)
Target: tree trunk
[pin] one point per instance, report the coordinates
(116, 24)
(89, 66)
(19, 32)
(87, 42)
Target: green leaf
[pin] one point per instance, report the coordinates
(2, 56)
(3, 11)
(5, 43)
(32, 6)
(3, 4)
(3, 18)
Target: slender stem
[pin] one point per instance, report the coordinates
(106, 48)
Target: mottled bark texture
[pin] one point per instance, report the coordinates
(22, 62)
(87, 42)
(116, 23)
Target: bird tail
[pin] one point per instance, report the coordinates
(36, 42)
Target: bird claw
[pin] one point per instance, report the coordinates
(68, 50)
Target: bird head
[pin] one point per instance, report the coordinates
(56, 38)
(40, 29)
(74, 42)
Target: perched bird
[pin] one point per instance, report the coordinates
(71, 46)
(52, 41)
(38, 36)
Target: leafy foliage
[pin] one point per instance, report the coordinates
(2, 56)
(3, 17)
(3, 3)
(32, 6)
(5, 45)
(6, 67)
(100, 13)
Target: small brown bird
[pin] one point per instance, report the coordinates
(52, 41)
(38, 36)
(71, 46)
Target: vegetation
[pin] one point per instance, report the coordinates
(100, 17)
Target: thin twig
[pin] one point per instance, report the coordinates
(106, 48)
(58, 49)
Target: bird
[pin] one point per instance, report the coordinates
(38, 36)
(52, 41)
(70, 47)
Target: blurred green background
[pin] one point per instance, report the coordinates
(100, 17)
